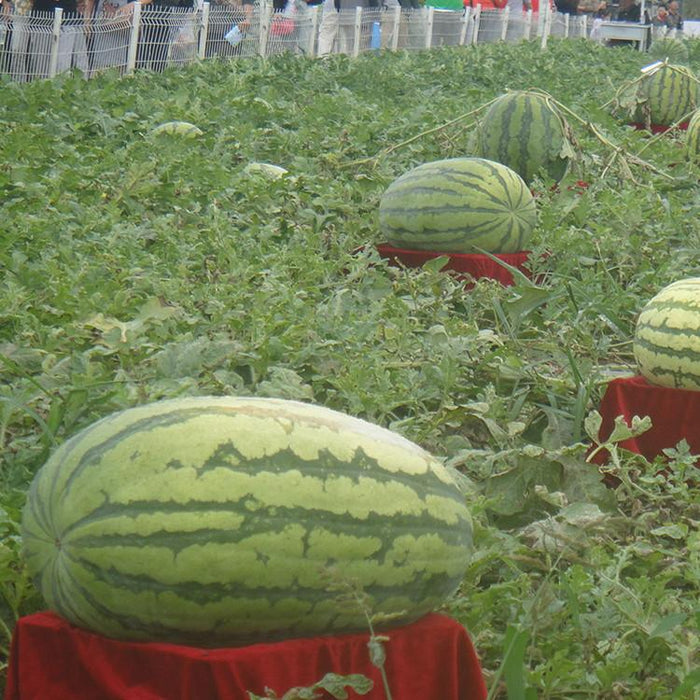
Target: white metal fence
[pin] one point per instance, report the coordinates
(133, 36)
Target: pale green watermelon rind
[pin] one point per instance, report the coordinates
(177, 128)
(667, 337)
(692, 137)
(459, 205)
(234, 547)
(527, 132)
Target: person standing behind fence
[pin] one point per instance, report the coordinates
(629, 11)
(338, 25)
(566, 7)
(160, 25)
(306, 43)
(673, 19)
(516, 18)
(72, 46)
(109, 38)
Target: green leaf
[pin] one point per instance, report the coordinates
(690, 685)
(436, 264)
(515, 645)
(335, 684)
(527, 300)
(623, 431)
(592, 425)
(677, 531)
(667, 624)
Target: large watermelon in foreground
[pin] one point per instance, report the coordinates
(458, 205)
(214, 521)
(525, 131)
(667, 337)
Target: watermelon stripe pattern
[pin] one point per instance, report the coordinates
(526, 132)
(692, 137)
(216, 521)
(458, 205)
(667, 95)
(667, 337)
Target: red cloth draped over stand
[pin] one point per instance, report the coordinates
(474, 265)
(675, 415)
(658, 128)
(431, 659)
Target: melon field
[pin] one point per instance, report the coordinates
(139, 266)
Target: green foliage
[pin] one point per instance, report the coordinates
(137, 268)
(332, 683)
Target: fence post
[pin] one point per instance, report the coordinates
(55, 38)
(477, 22)
(397, 28)
(358, 32)
(505, 18)
(583, 24)
(264, 18)
(567, 19)
(465, 25)
(429, 27)
(546, 26)
(527, 29)
(313, 32)
(133, 38)
(203, 31)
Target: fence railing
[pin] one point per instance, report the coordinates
(40, 45)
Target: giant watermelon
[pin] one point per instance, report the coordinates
(458, 205)
(216, 521)
(667, 336)
(527, 132)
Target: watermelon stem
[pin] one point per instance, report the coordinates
(395, 147)
(618, 152)
(674, 127)
(376, 650)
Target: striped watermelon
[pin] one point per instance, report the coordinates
(665, 95)
(527, 132)
(669, 50)
(667, 337)
(692, 137)
(211, 521)
(458, 206)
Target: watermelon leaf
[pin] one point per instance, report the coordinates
(332, 683)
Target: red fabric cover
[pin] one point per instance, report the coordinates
(281, 25)
(431, 659)
(658, 128)
(470, 265)
(675, 415)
